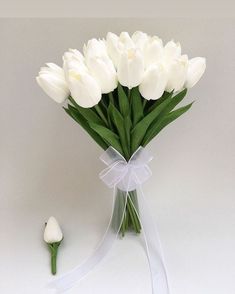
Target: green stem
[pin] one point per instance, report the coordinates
(144, 103)
(133, 215)
(53, 262)
(111, 97)
(100, 112)
(54, 249)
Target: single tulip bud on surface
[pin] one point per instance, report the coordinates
(130, 69)
(52, 80)
(53, 237)
(154, 82)
(196, 69)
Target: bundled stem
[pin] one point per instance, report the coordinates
(126, 202)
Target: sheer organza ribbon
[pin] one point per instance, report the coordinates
(126, 176)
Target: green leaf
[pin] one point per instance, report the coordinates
(88, 113)
(108, 136)
(136, 106)
(127, 127)
(118, 121)
(83, 123)
(140, 129)
(173, 102)
(159, 125)
(123, 101)
(154, 103)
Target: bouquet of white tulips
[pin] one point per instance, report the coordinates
(123, 90)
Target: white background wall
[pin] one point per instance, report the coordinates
(49, 166)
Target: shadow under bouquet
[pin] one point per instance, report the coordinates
(123, 90)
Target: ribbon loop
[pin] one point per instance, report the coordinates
(125, 175)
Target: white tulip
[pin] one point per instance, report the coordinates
(112, 45)
(95, 48)
(153, 51)
(52, 233)
(73, 54)
(117, 45)
(52, 80)
(196, 69)
(140, 39)
(100, 65)
(73, 59)
(172, 51)
(102, 69)
(177, 72)
(130, 69)
(84, 89)
(125, 41)
(154, 82)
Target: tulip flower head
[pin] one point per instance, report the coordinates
(53, 237)
(133, 61)
(52, 80)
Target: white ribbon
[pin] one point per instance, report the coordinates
(126, 176)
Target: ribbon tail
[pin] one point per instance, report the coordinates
(153, 247)
(68, 280)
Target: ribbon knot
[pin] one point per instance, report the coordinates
(122, 174)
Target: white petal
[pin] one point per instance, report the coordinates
(177, 72)
(154, 82)
(52, 233)
(130, 68)
(102, 69)
(84, 89)
(140, 39)
(126, 41)
(54, 87)
(153, 51)
(196, 69)
(112, 46)
(95, 48)
(172, 51)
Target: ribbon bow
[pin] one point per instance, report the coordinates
(122, 174)
(126, 176)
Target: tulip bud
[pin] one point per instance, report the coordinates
(112, 45)
(140, 39)
(130, 69)
(102, 69)
(177, 72)
(95, 48)
(53, 237)
(52, 80)
(52, 233)
(73, 59)
(84, 88)
(117, 45)
(153, 51)
(196, 69)
(172, 51)
(126, 41)
(154, 82)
